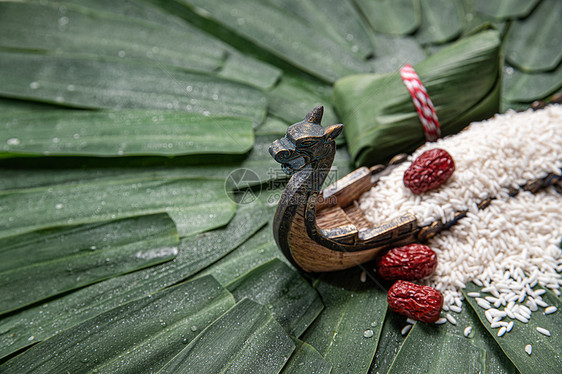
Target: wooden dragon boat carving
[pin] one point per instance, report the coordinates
(324, 230)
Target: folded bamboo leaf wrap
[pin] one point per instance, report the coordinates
(463, 81)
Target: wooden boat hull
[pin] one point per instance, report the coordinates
(310, 256)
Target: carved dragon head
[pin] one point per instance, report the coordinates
(306, 142)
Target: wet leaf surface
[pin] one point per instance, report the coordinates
(398, 17)
(247, 338)
(122, 133)
(195, 205)
(42, 264)
(545, 357)
(533, 44)
(292, 301)
(141, 335)
(348, 330)
(194, 253)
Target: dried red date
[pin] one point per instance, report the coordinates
(430, 170)
(422, 303)
(413, 261)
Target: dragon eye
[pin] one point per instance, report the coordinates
(307, 143)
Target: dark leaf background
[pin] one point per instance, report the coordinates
(120, 125)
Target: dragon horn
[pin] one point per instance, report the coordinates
(315, 115)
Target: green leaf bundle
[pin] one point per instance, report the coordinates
(463, 81)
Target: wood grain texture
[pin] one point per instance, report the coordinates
(313, 257)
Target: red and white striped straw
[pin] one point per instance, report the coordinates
(422, 102)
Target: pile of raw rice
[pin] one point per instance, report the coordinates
(507, 248)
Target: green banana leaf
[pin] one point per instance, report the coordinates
(518, 86)
(392, 52)
(496, 361)
(296, 43)
(194, 253)
(258, 250)
(291, 300)
(348, 330)
(522, 46)
(248, 70)
(294, 96)
(389, 344)
(507, 8)
(39, 265)
(97, 83)
(199, 251)
(441, 21)
(437, 336)
(341, 21)
(43, 172)
(140, 10)
(545, 357)
(141, 335)
(195, 205)
(85, 32)
(380, 118)
(261, 62)
(246, 339)
(397, 17)
(126, 132)
(475, 20)
(139, 13)
(336, 18)
(424, 352)
(305, 360)
(15, 107)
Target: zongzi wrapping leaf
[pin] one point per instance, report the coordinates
(377, 110)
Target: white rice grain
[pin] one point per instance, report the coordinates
(551, 309)
(543, 331)
(467, 331)
(479, 253)
(529, 349)
(451, 319)
(507, 248)
(532, 304)
(455, 309)
(406, 329)
(363, 276)
(483, 303)
(502, 331)
(506, 151)
(521, 318)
